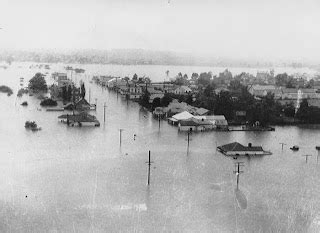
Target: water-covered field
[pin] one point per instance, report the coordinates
(68, 179)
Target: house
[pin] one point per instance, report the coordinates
(218, 121)
(81, 119)
(305, 93)
(193, 124)
(236, 149)
(135, 91)
(261, 90)
(154, 94)
(59, 76)
(188, 125)
(103, 80)
(82, 105)
(182, 90)
(175, 119)
(112, 83)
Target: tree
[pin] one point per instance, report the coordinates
(82, 91)
(204, 78)
(167, 73)
(194, 76)
(38, 83)
(165, 100)
(135, 78)
(181, 80)
(235, 84)
(209, 90)
(188, 99)
(224, 105)
(156, 103)
(289, 110)
(303, 111)
(281, 79)
(145, 98)
(64, 93)
(69, 93)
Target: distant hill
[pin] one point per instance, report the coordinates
(130, 57)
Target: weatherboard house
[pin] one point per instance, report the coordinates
(236, 149)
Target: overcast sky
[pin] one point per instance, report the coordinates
(270, 29)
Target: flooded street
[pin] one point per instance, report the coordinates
(71, 179)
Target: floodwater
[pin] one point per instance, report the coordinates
(70, 179)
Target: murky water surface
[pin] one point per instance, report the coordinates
(65, 179)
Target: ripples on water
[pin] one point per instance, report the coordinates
(79, 180)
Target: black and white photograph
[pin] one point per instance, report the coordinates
(171, 116)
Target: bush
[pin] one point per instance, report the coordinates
(48, 102)
(6, 89)
(30, 124)
(21, 92)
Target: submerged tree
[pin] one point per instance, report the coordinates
(38, 83)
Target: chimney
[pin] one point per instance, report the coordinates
(249, 145)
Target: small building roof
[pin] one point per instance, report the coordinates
(235, 146)
(184, 89)
(201, 111)
(182, 116)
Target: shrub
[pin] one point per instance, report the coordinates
(6, 89)
(48, 102)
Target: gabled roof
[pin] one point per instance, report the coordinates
(235, 146)
(83, 101)
(201, 111)
(182, 116)
(211, 117)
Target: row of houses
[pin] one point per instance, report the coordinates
(287, 95)
(134, 90)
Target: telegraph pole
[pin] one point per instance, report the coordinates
(104, 112)
(188, 139)
(149, 165)
(120, 130)
(307, 158)
(237, 171)
(282, 144)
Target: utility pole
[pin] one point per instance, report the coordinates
(159, 121)
(307, 158)
(120, 130)
(237, 171)
(282, 144)
(104, 112)
(117, 86)
(149, 165)
(188, 139)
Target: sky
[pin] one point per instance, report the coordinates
(249, 29)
